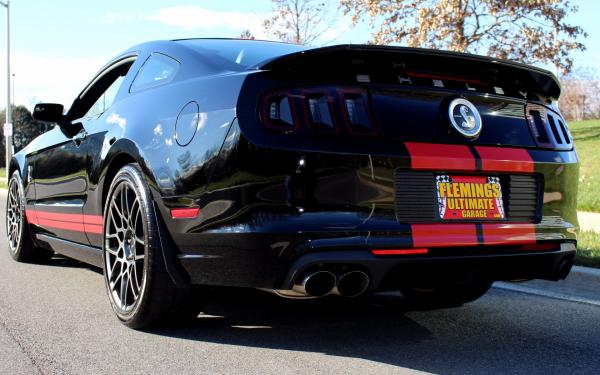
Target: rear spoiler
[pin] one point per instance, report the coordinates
(398, 61)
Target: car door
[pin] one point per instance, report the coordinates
(60, 173)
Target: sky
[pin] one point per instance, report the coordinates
(58, 45)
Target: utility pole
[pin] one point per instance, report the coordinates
(8, 127)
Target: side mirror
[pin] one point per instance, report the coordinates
(48, 112)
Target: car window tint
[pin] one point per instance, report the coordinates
(106, 99)
(157, 70)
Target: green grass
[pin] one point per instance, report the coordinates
(588, 249)
(2, 178)
(587, 142)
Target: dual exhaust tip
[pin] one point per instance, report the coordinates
(322, 283)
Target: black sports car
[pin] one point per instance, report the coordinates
(304, 171)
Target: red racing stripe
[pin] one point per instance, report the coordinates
(436, 156)
(508, 233)
(93, 219)
(73, 222)
(502, 159)
(443, 235)
(31, 217)
(76, 227)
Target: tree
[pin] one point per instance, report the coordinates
(246, 34)
(580, 97)
(297, 21)
(524, 30)
(25, 129)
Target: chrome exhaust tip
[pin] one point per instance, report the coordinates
(352, 284)
(316, 284)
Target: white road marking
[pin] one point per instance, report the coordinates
(544, 293)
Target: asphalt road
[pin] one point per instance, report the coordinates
(56, 319)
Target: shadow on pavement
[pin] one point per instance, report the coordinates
(375, 329)
(61, 261)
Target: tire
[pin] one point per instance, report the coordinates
(139, 287)
(20, 245)
(446, 296)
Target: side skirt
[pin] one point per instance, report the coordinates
(83, 253)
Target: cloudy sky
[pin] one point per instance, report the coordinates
(57, 45)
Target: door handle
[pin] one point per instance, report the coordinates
(79, 137)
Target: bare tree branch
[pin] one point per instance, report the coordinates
(297, 21)
(529, 31)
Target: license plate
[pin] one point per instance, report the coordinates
(469, 197)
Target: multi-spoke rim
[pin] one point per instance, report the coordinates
(125, 249)
(14, 216)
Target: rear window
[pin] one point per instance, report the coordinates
(157, 70)
(241, 54)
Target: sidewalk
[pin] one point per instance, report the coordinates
(589, 221)
(582, 285)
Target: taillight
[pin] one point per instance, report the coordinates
(320, 115)
(356, 111)
(548, 129)
(319, 111)
(323, 108)
(279, 112)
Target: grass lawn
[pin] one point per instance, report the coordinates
(587, 142)
(588, 249)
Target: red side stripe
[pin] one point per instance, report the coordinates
(502, 159)
(95, 229)
(508, 233)
(436, 156)
(31, 217)
(93, 219)
(76, 227)
(442, 235)
(74, 222)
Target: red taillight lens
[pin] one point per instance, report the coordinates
(541, 247)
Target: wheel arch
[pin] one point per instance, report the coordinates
(119, 156)
(121, 153)
(15, 164)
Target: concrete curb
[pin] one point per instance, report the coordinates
(582, 285)
(587, 271)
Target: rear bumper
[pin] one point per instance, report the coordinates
(274, 262)
(388, 273)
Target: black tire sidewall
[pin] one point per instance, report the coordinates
(25, 245)
(132, 174)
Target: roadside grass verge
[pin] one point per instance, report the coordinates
(2, 178)
(588, 249)
(587, 141)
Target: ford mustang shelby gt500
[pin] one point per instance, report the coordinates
(339, 170)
